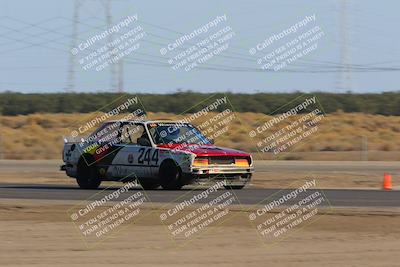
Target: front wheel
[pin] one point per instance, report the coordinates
(87, 177)
(170, 175)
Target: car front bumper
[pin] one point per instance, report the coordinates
(232, 175)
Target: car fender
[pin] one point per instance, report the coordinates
(183, 159)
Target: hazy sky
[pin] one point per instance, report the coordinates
(36, 38)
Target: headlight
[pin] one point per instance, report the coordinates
(242, 162)
(200, 162)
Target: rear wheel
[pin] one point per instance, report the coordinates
(170, 175)
(88, 176)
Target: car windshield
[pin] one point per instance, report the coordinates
(176, 133)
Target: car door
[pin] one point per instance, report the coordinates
(132, 159)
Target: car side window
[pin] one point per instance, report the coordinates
(106, 133)
(131, 132)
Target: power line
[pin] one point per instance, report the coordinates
(309, 66)
(320, 64)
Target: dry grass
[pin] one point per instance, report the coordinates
(40, 136)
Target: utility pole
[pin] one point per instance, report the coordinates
(116, 82)
(113, 67)
(344, 83)
(74, 44)
(121, 76)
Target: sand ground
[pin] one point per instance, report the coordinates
(40, 233)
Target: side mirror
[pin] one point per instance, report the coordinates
(144, 141)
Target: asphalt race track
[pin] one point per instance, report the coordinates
(249, 196)
(336, 197)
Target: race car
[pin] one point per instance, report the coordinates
(154, 153)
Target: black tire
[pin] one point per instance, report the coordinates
(149, 185)
(87, 176)
(170, 175)
(234, 187)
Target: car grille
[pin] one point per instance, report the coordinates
(221, 160)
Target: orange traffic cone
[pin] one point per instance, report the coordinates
(387, 181)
